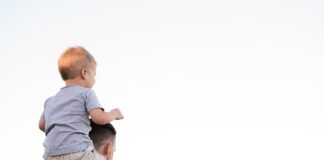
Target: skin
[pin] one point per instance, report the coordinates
(107, 149)
(86, 78)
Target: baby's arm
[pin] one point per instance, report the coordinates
(41, 124)
(101, 117)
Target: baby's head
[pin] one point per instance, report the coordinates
(77, 63)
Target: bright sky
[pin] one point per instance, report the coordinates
(195, 79)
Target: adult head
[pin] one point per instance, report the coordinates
(103, 137)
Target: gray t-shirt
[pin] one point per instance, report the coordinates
(67, 123)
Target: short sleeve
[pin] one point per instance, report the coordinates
(45, 103)
(91, 101)
(43, 113)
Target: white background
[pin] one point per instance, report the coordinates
(197, 79)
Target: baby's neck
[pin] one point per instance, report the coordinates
(74, 82)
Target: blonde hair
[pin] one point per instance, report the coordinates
(73, 60)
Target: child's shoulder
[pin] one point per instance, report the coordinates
(48, 99)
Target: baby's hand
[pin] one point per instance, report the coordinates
(117, 114)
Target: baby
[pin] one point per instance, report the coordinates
(65, 118)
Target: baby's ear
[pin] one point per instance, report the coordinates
(84, 73)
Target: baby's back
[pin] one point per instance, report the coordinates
(67, 121)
